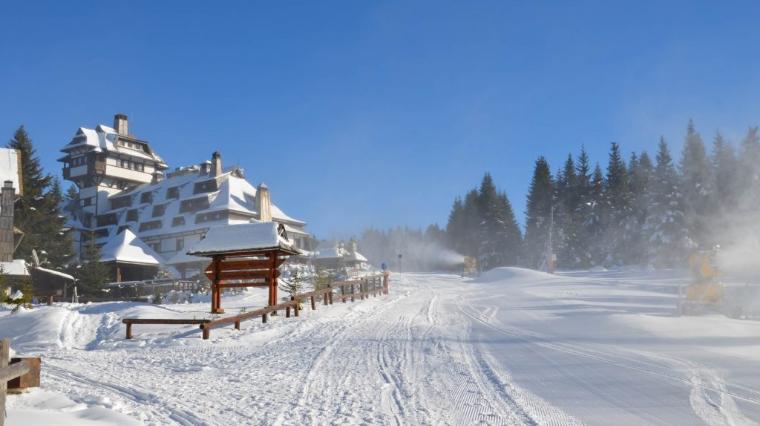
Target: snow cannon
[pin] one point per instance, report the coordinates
(705, 293)
(469, 267)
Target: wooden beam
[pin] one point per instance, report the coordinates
(236, 265)
(242, 285)
(244, 275)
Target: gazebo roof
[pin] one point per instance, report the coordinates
(126, 247)
(247, 238)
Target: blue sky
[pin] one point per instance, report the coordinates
(369, 113)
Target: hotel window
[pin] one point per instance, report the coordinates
(172, 193)
(194, 205)
(146, 197)
(147, 226)
(159, 210)
(178, 221)
(180, 244)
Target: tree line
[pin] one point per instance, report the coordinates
(635, 212)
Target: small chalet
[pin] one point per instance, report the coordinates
(338, 256)
(130, 258)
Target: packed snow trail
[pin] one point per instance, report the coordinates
(514, 347)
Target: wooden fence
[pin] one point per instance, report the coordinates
(346, 290)
(8, 373)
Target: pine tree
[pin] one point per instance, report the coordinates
(57, 250)
(724, 197)
(472, 219)
(640, 171)
(455, 231)
(696, 186)
(583, 210)
(500, 238)
(594, 226)
(617, 208)
(748, 178)
(92, 274)
(665, 226)
(568, 222)
(538, 214)
(37, 211)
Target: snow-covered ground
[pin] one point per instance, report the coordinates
(513, 347)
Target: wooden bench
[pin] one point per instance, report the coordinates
(130, 321)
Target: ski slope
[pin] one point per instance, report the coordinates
(512, 347)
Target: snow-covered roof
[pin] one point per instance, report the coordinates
(228, 193)
(126, 247)
(242, 238)
(104, 138)
(355, 256)
(331, 253)
(9, 169)
(15, 267)
(182, 257)
(337, 251)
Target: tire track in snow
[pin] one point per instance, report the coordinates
(702, 405)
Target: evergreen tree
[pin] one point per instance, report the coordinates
(583, 210)
(724, 197)
(594, 226)
(472, 219)
(499, 234)
(57, 250)
(37, 211)
(617, 210)
(665, 226)
(640, 171)
(455, 228)
(696, 187)
(92, 274)
(748, 178)
(538, 215)
(568, 221)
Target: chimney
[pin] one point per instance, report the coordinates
(6, 222)
(216, 160)
(121, 124)
(263, 203)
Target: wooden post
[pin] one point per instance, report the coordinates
(343, 293)
(273, 280)
(296, 309)
(5, 347)
(385, 282)
(264, 318)
(313, 304)
(330, 294)
(287, 311)
(216, 292)
(237, 325)
(206, 333)
(129, 330)
(352, 292)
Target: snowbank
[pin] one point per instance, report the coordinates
(514, 274)
(42, 407)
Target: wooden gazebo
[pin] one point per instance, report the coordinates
(246, 255)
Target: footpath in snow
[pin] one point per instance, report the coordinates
(512, 347)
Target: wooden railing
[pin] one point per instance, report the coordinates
(8, 373)
(353, 289)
